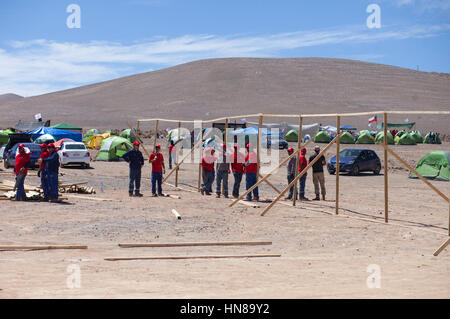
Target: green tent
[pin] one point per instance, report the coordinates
(67, 127)
(434, 165)
(128, 134)
(432, 138)
(380, 138)
(406, 139)
(4, 136)
(417, 136)
(291, 136)
(347, 138)
(113, 148)
(322, 137)
(365, 138)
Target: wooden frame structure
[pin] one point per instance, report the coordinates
(336, 140)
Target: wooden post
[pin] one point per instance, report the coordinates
(178, 152)
(386, 197)
(198, 244)
(442, 247)
(201, 156)
(225, 142)
(299, 146)
(338, 149)
(258, 145)
(156, 135)
(138, 126)
(449, 213)
(303, 172)
(139, 137)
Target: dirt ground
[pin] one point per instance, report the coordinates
(322, 255)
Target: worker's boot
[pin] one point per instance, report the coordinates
(218, 196)
(323, 196)
(316, 198)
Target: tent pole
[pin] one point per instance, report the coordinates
(225, 142)
(299, 145)
(156, 135)
(386, 195)
(338, 149)
(258, 145)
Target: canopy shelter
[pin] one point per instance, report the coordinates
(285, 127)
(68, 127)
(56, 133)
(253, 130)
(24, 126)
(434, 165)
(113, 148)
(172, 135)
(391, 125)
(59, 143)
(348, 128)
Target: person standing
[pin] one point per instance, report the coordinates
(302, 163)
(52, 170)
(208, 171)
(318, 176)
(223, 169)
(291, 172)
(136, 160)
(158, 169)
(21, 170)
(251, 172)
(42, 173)
(172, 154)
(237, 166)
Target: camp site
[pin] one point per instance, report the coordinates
(225, 150)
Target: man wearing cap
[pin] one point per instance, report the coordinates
(237, 160)
(223, 169)
(208, 171)
(318, 177)
(136, 160)
(21, 170)
(158, 169)
(42, 173)
(291, 172)
(251, 171)
(51, 170)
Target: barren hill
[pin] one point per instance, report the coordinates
(207, 89)
(9, 97)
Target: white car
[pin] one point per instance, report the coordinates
(74, 153)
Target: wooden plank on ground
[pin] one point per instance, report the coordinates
(225, 243)
(43, 247)
(192, 257)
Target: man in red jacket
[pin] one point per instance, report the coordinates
(208, 171)
(21, 170)
(251, 172)
(301, 166)
(158, 169)
(237, 160)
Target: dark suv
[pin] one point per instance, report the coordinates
(9, 157)
(355, 161)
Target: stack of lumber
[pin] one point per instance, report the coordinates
(76, 188)
(6, 185)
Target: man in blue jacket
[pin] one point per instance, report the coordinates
(136, 160)
(52, 170)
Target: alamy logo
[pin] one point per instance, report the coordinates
(74, 19)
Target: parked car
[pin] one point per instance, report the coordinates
(2, 151)
(9, 157)
(274, 141)
(74, 153)
(354, 161)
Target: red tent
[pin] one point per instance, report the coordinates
(60, 142)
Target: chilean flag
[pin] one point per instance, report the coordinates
(373, 119)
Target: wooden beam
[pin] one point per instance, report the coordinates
(442, 247)
(225, 142)
(196, 244)
(303, 172)
(386, 164)
(42, 247)
(258, 145)
(338, 149)
(156, 135)
(201, 156)
(270, 184)
(192, 257)
(299, 146)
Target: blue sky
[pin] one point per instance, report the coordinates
(40, 54)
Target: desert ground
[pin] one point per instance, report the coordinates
(323, 255)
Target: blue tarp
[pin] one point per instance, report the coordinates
(348, 128)
(56, 133)
(252, 131)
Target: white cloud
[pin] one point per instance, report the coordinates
(423, 5)
(41, 66)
